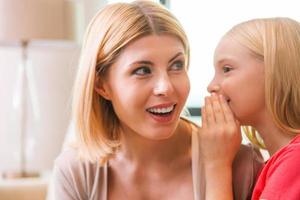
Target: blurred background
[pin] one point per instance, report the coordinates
(40, 42)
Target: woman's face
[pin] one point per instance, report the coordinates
(148, 86)
(239, 76)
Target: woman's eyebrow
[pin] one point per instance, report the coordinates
(174, 57)
(145, 62)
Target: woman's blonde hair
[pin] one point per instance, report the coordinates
(109, 32)
(276, 41)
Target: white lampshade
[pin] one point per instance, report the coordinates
(35, 19)
(24, 21)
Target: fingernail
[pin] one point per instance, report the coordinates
(213, 94)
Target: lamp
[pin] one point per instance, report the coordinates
(23, 21)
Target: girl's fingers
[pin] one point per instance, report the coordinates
(210, 118)
(217, 108)
(203, 117)
(228, 115)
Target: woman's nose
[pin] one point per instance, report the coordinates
(163, 86)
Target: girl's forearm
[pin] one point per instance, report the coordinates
(218, 182)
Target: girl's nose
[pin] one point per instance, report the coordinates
(213, 87)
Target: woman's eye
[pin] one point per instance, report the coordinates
(142, 71)
(177, 65)
(226, 69)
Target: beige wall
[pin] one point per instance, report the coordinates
(85, 10)
(52, 67)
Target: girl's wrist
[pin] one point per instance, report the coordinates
(217, 165)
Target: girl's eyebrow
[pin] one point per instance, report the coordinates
(224, 60)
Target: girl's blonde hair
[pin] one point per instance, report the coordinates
(109, 32)
(276, 41)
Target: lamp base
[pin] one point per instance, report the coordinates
(18, 175)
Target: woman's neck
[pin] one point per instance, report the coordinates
(144, 152)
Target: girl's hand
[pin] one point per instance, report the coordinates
(220, 137)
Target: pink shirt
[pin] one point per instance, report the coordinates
(280, 178)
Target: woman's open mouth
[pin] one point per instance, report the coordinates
(162, 113)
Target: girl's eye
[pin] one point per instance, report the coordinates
(226, 69)
(177, 65)
(142, 71)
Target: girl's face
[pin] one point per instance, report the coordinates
(148, 86)
(239, 76)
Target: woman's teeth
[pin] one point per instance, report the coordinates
(161, 110)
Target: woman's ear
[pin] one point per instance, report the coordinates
(102, 88)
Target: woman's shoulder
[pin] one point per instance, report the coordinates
(69, 161)
(248, 153)
(248, 161)
(246, 167)
(69, 156)
(75, 176)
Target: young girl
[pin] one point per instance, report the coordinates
(130, 90)
(257, 70)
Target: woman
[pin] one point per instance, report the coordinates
(131, 87)
(257, 70)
